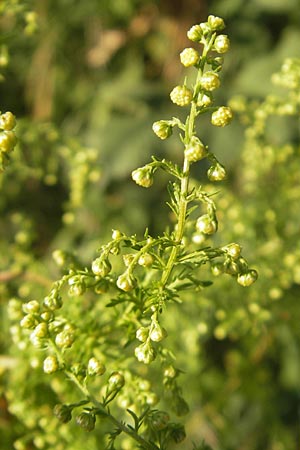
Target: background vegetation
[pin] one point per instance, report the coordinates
(85, 81)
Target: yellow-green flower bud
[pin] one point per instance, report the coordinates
(216, 172)
(204, 100)
(8, 141)
(116, 234)
(233, 250)
(41, 330)
(222, 116)
(53, 301)
(86, 421)
(95, 367)
(195, 33)
(50, 364)
(64, 339)
(206, 224)
(162, 129)
(210, 81)
(222, 43)
(116, 381)
(195, 151)
(247, 278)
(101, 267)
(28, 321)
(145, 353)
(145, 260)
(189, 57)
(31, 307)
(143, 176)
(157, 333)
(142, 334)
(126, 282)
(77, 289)
(181, 95)
(216, 23)
(7, 121)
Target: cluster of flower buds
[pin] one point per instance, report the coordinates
(8, 138)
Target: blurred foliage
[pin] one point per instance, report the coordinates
(85, 81)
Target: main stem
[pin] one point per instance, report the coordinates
(184, 187)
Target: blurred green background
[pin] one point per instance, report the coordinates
(86, 80)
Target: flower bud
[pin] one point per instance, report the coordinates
(181, 96)
(170, 372)
(8, 141)
(195, 151)
(145, 353)
(162, 129)
(233, 250)
(206, 224)
(210, 81)
(195, 33)
(142, 334)
(41, 330)
(145, 260)
(204, 100)
(247, 278)
(222, 116)
(116, 381)
(53, 301)
(157, 333)
(7, 121)
(86, 421)
(101, 267)
(159, 420)
(116, 234)
(50, 364)
(126, 282)
(216, 23)
(64, 339)
(222, 43)
(189, 57)
(143, 176)
(63, 413)
(28, 321)
(216, 172)
(31, 307)
(95, 367)
(217, 268)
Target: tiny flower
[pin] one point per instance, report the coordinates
(116, 234)
(143, 176)
(189, 57)
(53, 301)
(247, 278)
(77, 289)
(204, 100)
(31, 307)
(8, 141)
(101, 267)
(210, 81)
(222, 43)
(7, 121)
(157, 333)
(50, 364)
(181, 95)
(145, 260)
(216, 172)
(162, 129)
(160, 420)
(116, 381)
(195, 151)
(63, 413)
(28, 321)
(234, 250)
(195, 33)
(170, 372)
(86, 421)
(95, 367)
(216, 23)
(41, 330)
(217, 268)
(126, 282)
(64, 339)
(222, 116)
(206, 224)
(142, 334)
(145, 353)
